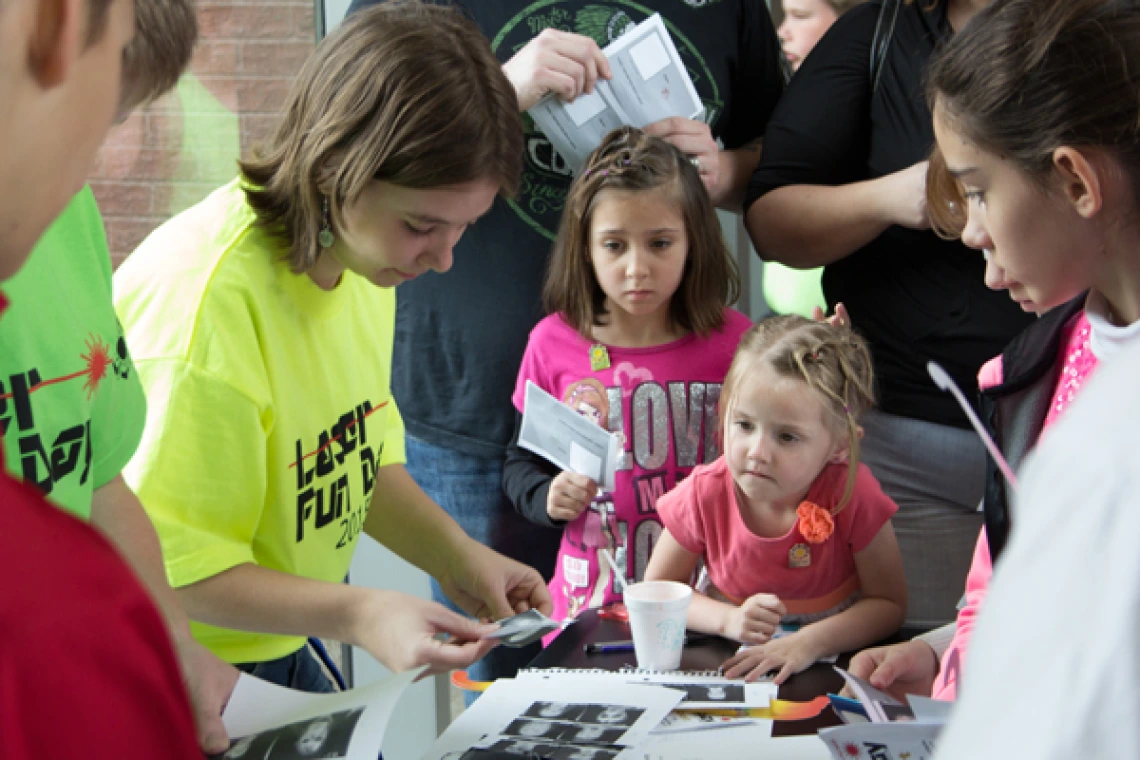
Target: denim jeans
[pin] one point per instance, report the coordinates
(469, 488)
(300, 670)
(936, 474)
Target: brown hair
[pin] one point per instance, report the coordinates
(165, 34)
(404, 92)
(97, 13)
(833, 360)
(1025, 77)
(629, 159)
(842, 6)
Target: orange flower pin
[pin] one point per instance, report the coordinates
(815, 523)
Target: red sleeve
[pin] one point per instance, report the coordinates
(680, 512)
(86, 668)
(103, 686)
(867, 512)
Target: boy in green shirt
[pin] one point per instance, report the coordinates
(72, 409)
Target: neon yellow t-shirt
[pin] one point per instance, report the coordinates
(269, 408)
(71, 406)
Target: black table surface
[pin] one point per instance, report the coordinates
(702, 653)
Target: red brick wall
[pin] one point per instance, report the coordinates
(173, 153)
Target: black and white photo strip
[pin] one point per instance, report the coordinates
(529, 749)
(555, 731)
(325, 736)
(729, 692)
(609, 715)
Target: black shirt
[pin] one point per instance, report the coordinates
(914, 296)
(460, 336)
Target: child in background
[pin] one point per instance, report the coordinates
(793, 530)
(787, 290)
(639, 338)
(1042, 183)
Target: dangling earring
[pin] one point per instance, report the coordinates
(325, 237)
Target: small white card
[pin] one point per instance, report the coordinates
(650, 56)
(559, 434)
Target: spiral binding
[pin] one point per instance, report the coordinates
(625, 671)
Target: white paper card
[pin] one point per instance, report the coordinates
(585, 107)
(263, 718)
(870, 741)
(559, 434)
(700, 691)
(927, 710)
(584, 462)
(510, 712)
(650, 56)
(649, 83)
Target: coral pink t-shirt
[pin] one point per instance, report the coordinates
(663, 400)
(812, 580)
(1079, 365)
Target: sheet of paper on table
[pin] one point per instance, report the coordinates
(265, 720)
(702, 690)
(512, 713)
(558, 433)
(649, 83)
(734, 742)
(870, 741)
(893, 730)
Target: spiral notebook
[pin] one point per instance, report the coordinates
(704, 689)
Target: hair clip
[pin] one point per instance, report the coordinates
(605, 172)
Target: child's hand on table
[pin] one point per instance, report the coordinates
(790, 655)
(754, 621)
(569, 495)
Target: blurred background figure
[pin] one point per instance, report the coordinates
(805, 22)
(787, 290)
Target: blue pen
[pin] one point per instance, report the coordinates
(605, 647)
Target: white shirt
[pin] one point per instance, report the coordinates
(1054, 669)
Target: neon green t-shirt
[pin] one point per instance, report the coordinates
(269, 409)
(71, 405)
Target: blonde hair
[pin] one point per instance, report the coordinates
(404, 92)
(834, 362)
(629, 159)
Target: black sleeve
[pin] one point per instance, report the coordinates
(526, 481)
(758, 80)
(820, 131)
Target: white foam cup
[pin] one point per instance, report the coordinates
(657, 611)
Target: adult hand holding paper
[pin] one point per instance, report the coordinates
(557, 62)
(649, 83)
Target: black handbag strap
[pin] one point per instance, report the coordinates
(884, 30)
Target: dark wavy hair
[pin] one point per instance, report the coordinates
(1025, 77)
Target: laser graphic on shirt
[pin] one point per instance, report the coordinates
(69, 451)
(323, 472)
